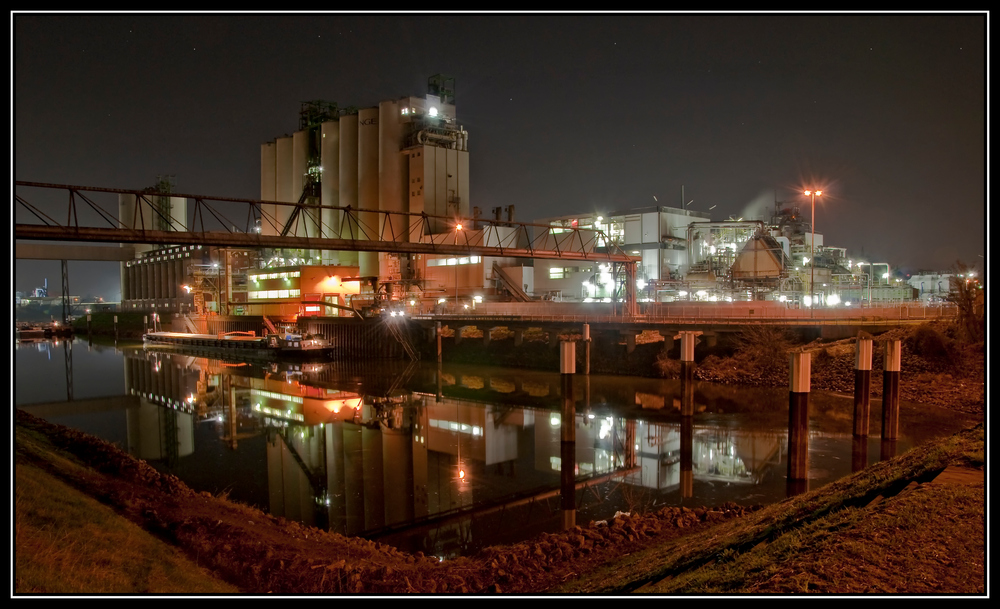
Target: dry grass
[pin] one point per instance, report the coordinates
(68, 543)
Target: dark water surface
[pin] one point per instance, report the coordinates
(443, 461)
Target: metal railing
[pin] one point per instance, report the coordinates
(717, 314)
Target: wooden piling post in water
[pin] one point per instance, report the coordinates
(567, 427)
(586, 349)
(890, 390)
(862, 386)
(798, 415)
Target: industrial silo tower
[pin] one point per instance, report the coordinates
(405, 155)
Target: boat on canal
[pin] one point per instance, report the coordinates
(287, 345)
(27, 332)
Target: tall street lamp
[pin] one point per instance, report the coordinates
(812, 245)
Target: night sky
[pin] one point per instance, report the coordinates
(566, 113)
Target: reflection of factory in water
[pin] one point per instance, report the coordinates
(336, 456)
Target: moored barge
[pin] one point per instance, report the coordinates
(277, 346)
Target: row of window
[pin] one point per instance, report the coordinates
(158, 258)
(453, 426)
(295, 399)
(283, 275)
(454, 261)
(564, 272)
(260, 294)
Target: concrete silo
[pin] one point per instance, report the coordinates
(368, 185)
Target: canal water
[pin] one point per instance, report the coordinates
(445, 459)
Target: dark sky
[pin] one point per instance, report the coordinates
(565, 113)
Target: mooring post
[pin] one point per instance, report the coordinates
(862, 386)
(890, 390)
(586, 349)
(567, 426)
(689, 338)
(798, 417)
(116, 329)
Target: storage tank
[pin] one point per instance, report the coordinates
(330, 189)
(268, 163)
(368, 184)
(284, 181)
(348, 172)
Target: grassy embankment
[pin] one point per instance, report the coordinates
(885, 529)
(67, 542)
(882, 530)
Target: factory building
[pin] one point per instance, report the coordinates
(686, 256)
(657, 235)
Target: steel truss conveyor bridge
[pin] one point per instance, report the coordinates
(360, 230)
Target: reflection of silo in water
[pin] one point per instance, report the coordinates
(290, 457)
(397, 454)
(374, 484)
(158, 428)
(156, 432)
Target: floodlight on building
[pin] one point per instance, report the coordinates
(432, 111)
(832, 299)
